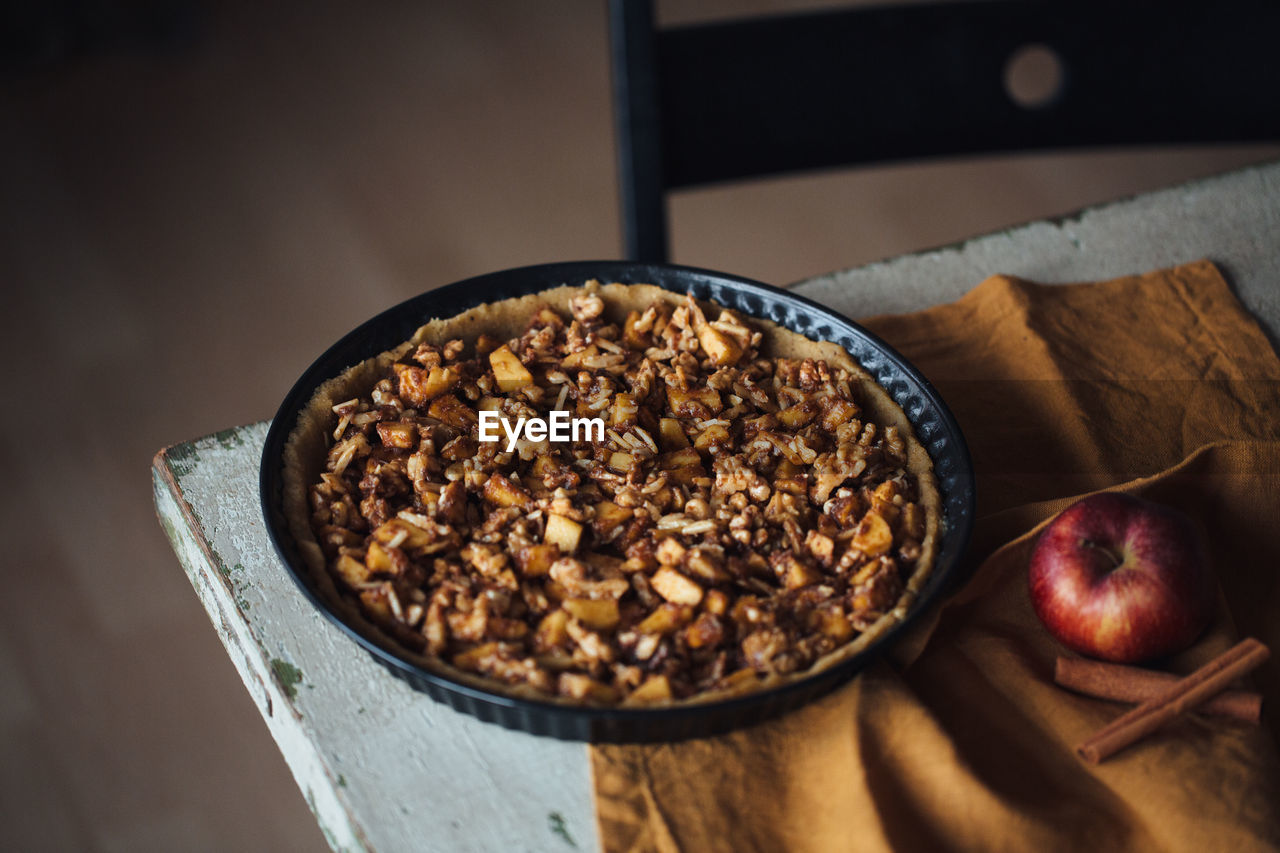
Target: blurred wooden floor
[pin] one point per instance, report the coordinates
(182, 233)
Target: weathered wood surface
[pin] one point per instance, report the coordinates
(1232, 219)
(386, 768)
(382, 767)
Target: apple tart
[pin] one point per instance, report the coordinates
(754, 507)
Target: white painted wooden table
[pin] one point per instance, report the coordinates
(386, 768)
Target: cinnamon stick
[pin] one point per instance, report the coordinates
(1134, 684)
(1183, 694)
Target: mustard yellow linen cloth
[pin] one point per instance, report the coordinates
(1159, 385)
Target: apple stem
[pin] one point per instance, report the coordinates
(1116, 559)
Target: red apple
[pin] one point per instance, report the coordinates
(1122, 579)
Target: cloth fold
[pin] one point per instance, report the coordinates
(1158, 384)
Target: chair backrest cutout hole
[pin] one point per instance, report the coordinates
(1033, 76)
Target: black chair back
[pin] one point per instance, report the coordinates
(730, 100)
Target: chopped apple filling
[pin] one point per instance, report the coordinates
(740, 516)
